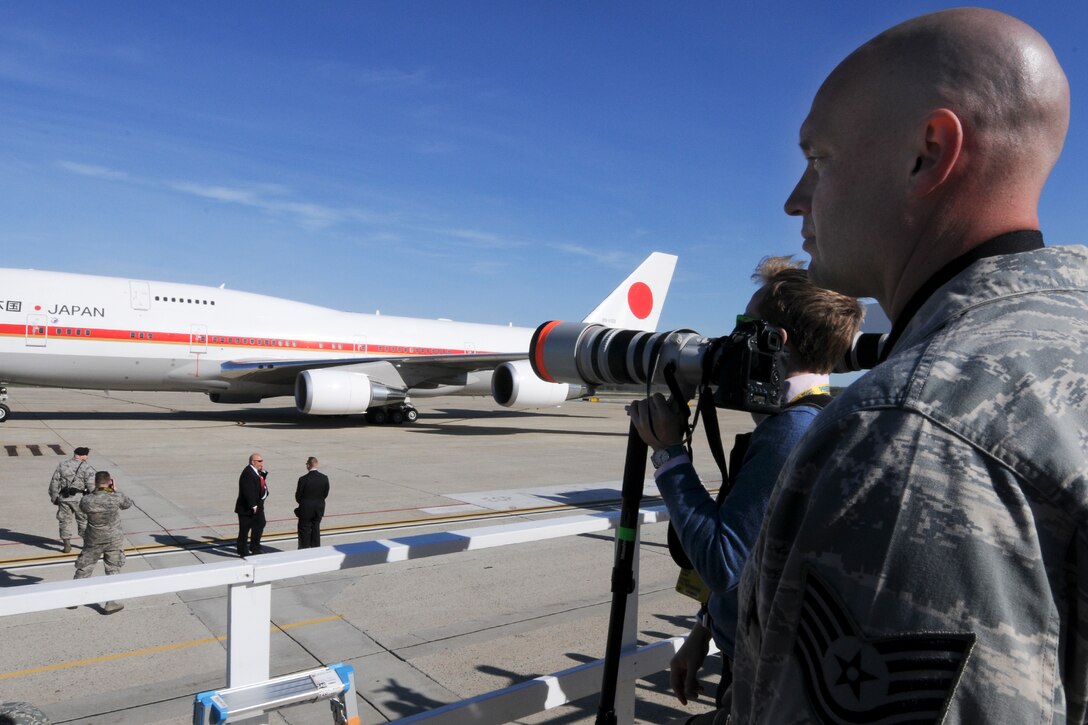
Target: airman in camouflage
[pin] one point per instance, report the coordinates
(104, 538)
(71, 479)
(925, 557)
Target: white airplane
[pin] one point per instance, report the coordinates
(109, 333)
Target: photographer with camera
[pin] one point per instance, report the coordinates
(71, 480)
(717, 536)
(104, 538)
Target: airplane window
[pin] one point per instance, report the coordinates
(68, 331)
(141, 335)
(132, 335)
(150, 336)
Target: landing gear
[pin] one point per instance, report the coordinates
(395, 414)
(5, 411)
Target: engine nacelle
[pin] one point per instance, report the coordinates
(514, 384)
(340, 392)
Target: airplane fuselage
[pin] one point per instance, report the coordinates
(67, 330)
(83, 331)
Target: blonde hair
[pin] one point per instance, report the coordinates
(820, 324)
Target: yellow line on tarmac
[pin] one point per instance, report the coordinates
(154, 650)
(206, 541)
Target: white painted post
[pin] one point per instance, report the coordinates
(249, 642)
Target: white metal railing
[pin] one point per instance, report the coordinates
(249, 606)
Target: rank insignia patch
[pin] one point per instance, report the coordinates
(852, 679)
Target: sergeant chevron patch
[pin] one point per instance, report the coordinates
(851, 679)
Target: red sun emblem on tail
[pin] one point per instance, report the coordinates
(640, 298)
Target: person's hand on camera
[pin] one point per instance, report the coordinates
(659, 421)
(684, 665)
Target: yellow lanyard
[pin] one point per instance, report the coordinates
(814, 390)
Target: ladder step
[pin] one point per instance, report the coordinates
(223, 706)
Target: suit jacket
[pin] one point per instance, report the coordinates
(312, 490)
(249, 491)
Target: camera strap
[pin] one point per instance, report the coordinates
(816, 397)
(713, 431)
(705, 408)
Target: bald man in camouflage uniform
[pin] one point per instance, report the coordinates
(925, 554)
(71, 480)
(104, 537)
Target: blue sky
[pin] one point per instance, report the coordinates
(484, 161)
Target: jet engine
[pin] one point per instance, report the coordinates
(340, 392)
(514, 384)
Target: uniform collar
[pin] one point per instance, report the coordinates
(1012, 243)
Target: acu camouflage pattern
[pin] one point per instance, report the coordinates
(71, 473)
(104, 537)
(925, 554)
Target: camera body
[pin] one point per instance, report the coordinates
(748, 370)
(745, 369)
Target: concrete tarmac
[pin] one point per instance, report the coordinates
(419, 633)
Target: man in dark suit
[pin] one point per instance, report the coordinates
(252, 491)
(313, 489)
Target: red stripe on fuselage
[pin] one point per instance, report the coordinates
(72, 333)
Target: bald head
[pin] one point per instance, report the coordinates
(926, 141)
(996, 73)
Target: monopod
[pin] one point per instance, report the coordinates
(623, 579)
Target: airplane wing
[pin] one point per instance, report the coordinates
(635, 304)
(405, 372)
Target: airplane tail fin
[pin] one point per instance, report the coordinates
(636, 304)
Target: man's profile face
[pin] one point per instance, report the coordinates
(849, 197)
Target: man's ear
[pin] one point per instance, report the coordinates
(938, 151)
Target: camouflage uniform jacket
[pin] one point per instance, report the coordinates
(103, 511)
(72, 473)
(925, 555)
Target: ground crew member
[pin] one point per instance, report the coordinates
(70, 481)
(104, 538)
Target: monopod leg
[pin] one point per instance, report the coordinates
(623, 580)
